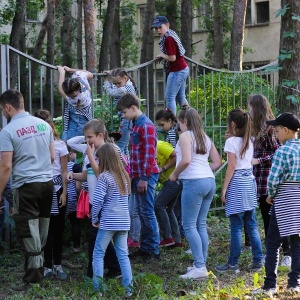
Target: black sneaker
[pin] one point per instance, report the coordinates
(24, 286)
(139, 253)
(256, 267)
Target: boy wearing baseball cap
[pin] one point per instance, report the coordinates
(175, 66)
(284, 194)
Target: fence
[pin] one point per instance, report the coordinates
(211, 91)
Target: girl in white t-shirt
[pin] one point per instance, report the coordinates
(54, 245)
(239, 191)
(193, 169)
(78, 105)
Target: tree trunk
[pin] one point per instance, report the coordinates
(17, 32)
(218, 54)
(66, 34)
(237, 35)
(186, 26)
(38, 47)
(115, 46)
(50, 47)
(79, 35)
(90, 40)
(289, 72)
(172, 13)
(106, 35)
(147, 88)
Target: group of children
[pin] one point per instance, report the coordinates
(258, 168)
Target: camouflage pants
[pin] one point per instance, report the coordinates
(32, 205)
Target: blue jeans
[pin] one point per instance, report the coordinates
(135, 223)
(175, 89)
(164, 210)
(75, 126)
(196, 198)
(120, 242)
(149, 228)
(236, 229)
(274, 241)
(125, 129)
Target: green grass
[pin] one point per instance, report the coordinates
(159, 280)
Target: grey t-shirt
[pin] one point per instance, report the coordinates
(29, 139)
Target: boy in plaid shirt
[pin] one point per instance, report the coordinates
(144, 172)
(284, 194)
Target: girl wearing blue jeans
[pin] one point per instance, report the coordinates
(111, 215)
(239, 191)
(193, 150)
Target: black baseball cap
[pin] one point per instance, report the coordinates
(286, 119)
(159, 20)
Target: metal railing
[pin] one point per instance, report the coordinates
(212, 92)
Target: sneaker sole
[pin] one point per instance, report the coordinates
(229, 270)
(166, 245)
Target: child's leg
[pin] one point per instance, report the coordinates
(76, 229)
(102, 240)
(294, 275)
(252, 230)
(58, 233)
(92, 239)
(135, 223)
(125, 129)
(236, 228)
(272, 254)
(120, 242)
(49, 245)
(165, 217)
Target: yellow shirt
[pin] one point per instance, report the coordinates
(164, 151)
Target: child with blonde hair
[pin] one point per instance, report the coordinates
(111, 215)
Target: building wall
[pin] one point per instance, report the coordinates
(262, 39)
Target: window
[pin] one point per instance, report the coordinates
(248, 14)
(258, 12)
(262, 12)
(203, 15)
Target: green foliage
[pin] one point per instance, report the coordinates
(4, 39)
(7, 11)
(285, 54)
(282, 11)
(129, 46)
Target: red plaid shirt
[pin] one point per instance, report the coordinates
(263, 151)
(143, 148)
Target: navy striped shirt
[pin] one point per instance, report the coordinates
(109, 206)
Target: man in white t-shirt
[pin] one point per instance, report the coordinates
(27, 152)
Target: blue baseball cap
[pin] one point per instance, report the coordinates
(159, 20)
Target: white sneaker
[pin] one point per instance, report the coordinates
(195, 273)
(286, 261)
(190, 268)
(188, 251)
(293, 290)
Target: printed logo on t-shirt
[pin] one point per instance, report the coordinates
(31, 129)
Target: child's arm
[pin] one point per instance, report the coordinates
(99, 195)
(61, 79)
(90, 153)
(185, 145)
(77, 143)
(70, 70)
(171, 163)
(77, 176)
(64, 173)
(215, 157)
(231, 158)
(113, 91)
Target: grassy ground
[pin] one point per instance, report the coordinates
(159, 280)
